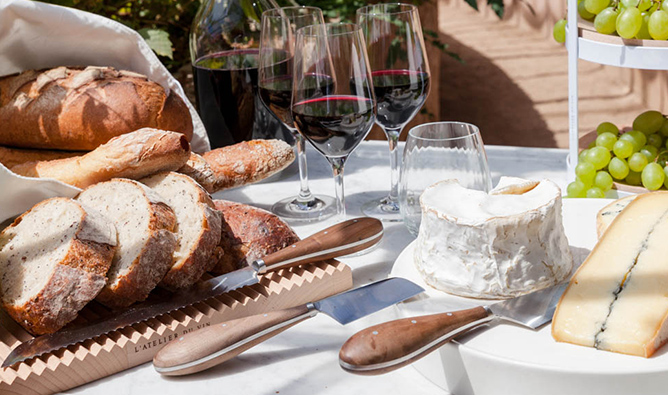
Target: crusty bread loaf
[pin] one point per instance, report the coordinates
(197, 228)
(53, 260)
(134, 155)
(11, 157)
(146, 242)
(239, 164)
(249, 233)
(73, 108)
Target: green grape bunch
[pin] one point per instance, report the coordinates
(636, 157)
(629, 19)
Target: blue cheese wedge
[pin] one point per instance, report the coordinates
(618, 299)
(608, 213)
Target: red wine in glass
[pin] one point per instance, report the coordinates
(399, 94)
(335, 125)
(276, 93)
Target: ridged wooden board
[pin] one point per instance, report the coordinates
(132, 346)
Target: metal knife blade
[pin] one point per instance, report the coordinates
(338, 240)
(208, 347)
(533, 310)
(351, 305)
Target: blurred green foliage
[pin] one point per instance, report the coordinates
(164, 24)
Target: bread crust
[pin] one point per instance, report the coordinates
(249, 233)
(76, 280)
(152, 263)
(15, 156)
(239, 164)
(76, 108)
(134, 155)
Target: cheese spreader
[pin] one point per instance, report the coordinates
(216, 344)
(386, 347)
(341, 239)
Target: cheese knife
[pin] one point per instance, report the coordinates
(341, 239)
(386, 347)
(208, 347)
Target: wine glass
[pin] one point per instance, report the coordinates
(275, 87)
(438, 151)
(333, 105)
(401, 83)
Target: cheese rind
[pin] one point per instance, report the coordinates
(608, 213)
(500, 245)
(618, 299)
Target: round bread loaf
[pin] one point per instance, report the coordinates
(78, 109)
(53, 260)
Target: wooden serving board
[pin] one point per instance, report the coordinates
(137, 344)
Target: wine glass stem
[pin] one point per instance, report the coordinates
(305, 195)
(393, 138)
(337, 168)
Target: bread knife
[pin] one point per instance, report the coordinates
(341, 239)
(386, 347)
(208, 347)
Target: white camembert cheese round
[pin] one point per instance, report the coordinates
(498, 245)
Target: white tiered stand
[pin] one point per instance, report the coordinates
(586, 44)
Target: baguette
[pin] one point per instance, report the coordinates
(239, 164)
(197, 228)
(249, 233)
(146, 242)
(11, 157)
(53, 260)
(73, 108)
(134, 155)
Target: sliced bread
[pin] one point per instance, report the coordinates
(249, 233)
(146, 242)
(53, 260)
(197, 230)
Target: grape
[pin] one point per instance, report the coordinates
(665, 177)
(639, 138)
(585, 172)
(618, 168)
(583, 156)
(605, 21)
(596, 6)
(629, 22)
(603, 180)
(658, 25)
(607, 127)
(599, 157)
(650, 121)
(650, 152)
(655, 140)
(606, 140)
(595, 193)
(653, 176)
(644, 5)
(559, 31)
(637, 162)
(629, 137)
(643, 33)
(592, 144)
(664, 5)
(634, 178)
(576, 189)
(623, 148)
(584, 14)
(630, 3)
(664, 128)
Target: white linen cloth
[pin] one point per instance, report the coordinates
(36, 35)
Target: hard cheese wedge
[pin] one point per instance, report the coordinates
(618, 299)
(608, 213)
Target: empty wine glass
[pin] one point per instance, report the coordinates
(333, 105)
(439, 151)
(275, 87)
(401, 83)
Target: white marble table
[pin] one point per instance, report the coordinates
(304, 359)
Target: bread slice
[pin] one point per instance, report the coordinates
(249, 233)
(53, 260)
(146, 242)
(197, 229)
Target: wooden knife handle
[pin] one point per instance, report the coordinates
(208, 347)
(341, 239)
(391, 345)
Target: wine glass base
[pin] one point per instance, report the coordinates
(292, 209)
(383, 209)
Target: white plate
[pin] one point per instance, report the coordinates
(513, 360)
